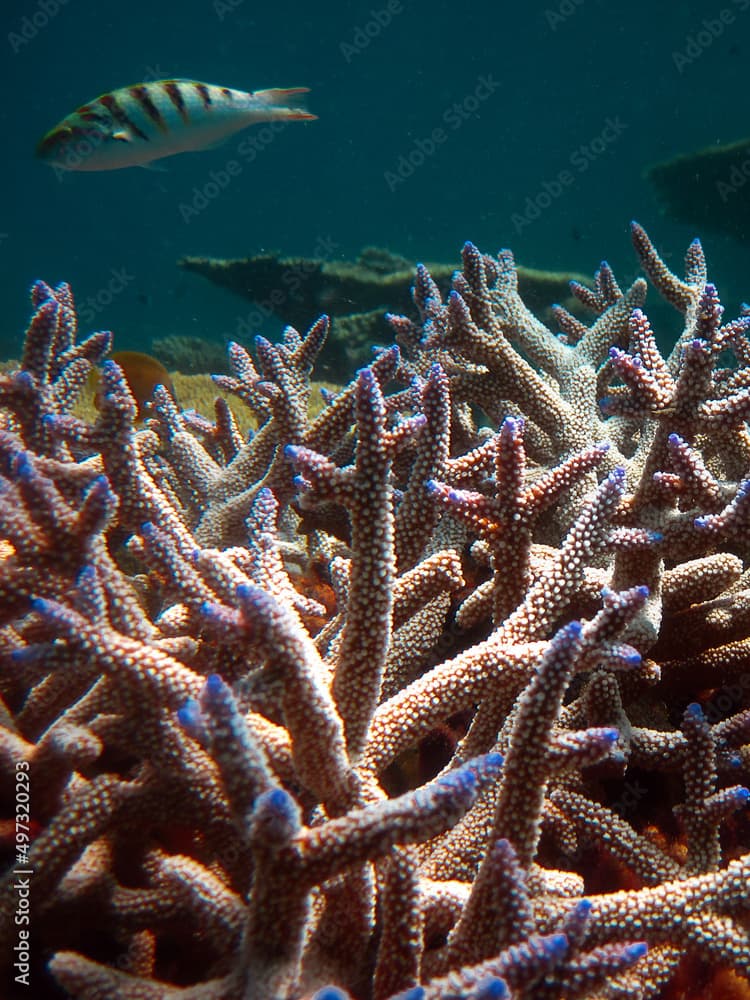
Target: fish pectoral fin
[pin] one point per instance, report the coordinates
(122, 135)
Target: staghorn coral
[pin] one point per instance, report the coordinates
(381, 703)
(355, 294)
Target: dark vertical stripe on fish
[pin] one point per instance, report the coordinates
(173, 92)
(141, 94)
(109, 101)
(204, 94)
(89, 114)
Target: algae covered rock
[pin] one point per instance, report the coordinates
(707, 189)
(356, 294)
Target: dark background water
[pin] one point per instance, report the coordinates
(555, 76)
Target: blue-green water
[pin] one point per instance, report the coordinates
(439, 122)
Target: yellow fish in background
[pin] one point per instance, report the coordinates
(133, 126)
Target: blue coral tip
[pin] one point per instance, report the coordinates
(22, 467)
(331, 993)
(583, 908)
(462, 779)
(30, 654)
(493, 761)
(279, 804)
(573, 629)
(674, 440)
(86, 574)
(189, 715)
(214, 683)
(695, 711)
(557, 945)
(742, 795)
(610, 735)
(632, 952)
(492, 989)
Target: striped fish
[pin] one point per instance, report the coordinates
(133, 126)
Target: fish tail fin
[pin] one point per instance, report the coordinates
(286, 104)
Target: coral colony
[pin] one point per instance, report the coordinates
(444, 693)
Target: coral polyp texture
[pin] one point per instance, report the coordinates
(441, 693)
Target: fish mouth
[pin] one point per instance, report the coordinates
(50, 145)
(64, 142)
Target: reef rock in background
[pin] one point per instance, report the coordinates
(708, 189)
(357, 295)
(190, 355)
(382, 703)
